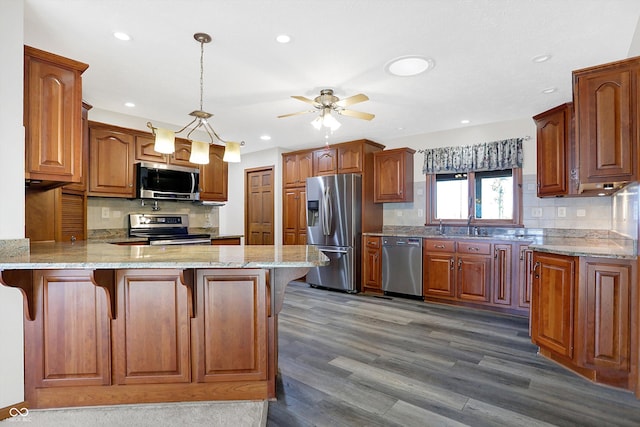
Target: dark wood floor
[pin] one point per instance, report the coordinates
(358, 360)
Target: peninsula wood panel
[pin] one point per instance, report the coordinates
(151, 332)
(68, 342)
(230, 332)
(552, 302)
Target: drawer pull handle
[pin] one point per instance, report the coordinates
(473, 249)
(438, 246)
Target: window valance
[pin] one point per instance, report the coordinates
(488, 156)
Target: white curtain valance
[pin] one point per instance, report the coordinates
(488, 156)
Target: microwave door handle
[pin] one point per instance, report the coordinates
(193, 183)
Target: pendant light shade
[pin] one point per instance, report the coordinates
(165, 141)
(199, 152)
(232, 152)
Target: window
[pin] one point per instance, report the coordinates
(489, 197)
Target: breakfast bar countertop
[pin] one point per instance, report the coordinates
(81, 254)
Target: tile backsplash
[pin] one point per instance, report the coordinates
(112, 213)
(618, 212)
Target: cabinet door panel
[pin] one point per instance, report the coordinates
(351, 158)
(607, 315)
(214, 176)
(231, 334)
(439, 275)
(151, 332)
(473, 277)
(325, 162)
(111, 163)
(145, 150)
(552, 303)
(502, 279)
(63, 345)
(605, 133)
(553, 144)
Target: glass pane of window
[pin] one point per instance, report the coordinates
(494, 194)
(452, 196)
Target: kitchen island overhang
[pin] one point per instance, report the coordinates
(108, 324)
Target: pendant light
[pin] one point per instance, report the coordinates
(165, 138)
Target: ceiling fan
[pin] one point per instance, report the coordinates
(327, 103)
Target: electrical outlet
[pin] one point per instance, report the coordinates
(562, 212)
(105, 212)
(398, 213)
(117, 214)
(420, 212)
(536, 212)
(581, 212)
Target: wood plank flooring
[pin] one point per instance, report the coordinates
(361, 360)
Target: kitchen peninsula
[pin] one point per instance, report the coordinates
(109, 324)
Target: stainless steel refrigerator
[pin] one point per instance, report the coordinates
(334, 215)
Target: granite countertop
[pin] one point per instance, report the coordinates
(601, 244)
(51, 255)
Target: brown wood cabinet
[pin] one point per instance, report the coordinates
(55, 215)
(146, 335)
(557, 172)
(111, 161)
(552, 302)
(584, 316)
(604, 319)
(52, 118)
(608, 120)
(393, 175)
(230, 336)
(296, 168)
(53, 356)
(82, 185)
(372, 264)
(294, 216)
(347, 157)
(145, 152)
(214, 186)
(475, 272)
(151, 331)
(524, 275)
(325, 161)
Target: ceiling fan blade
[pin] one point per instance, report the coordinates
(295, 114)
(356, 114)
(307, 100)
(361, 97)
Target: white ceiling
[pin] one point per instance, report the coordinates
(482, 49)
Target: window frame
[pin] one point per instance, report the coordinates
(431, 200)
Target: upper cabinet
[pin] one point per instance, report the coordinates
(214, 176)
(111, 171)
(145, 152)
(556, 169)
(393, 175)
(296, 168)
(52, 118)
(325, 161)
(607, 120)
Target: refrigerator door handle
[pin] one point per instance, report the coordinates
(334, 251)
(328, 212)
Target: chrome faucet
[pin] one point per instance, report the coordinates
(440, 228)
(469, 224)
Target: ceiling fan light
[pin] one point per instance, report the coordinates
(317, 123)
(199, 153)
(231, 152)
(165, 141)
(330, 122)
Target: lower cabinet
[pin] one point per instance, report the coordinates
(582, 312)
(372, 264)
(96, 337)
(473, 272)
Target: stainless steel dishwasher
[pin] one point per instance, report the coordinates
(402, 265)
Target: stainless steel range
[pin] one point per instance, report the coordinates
(165, 229)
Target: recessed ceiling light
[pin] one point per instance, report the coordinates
(265, 137)
(129, 104)
(122, 36)
(283, 38)
(549, 90)
(406, 66)
(541, 58)
(465, 121)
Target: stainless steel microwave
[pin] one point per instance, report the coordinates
(166, 182)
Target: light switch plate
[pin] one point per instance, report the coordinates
(581, 212)
(562, 212)
(536, 212)
(105, 212)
